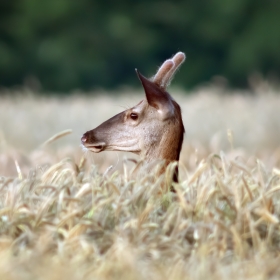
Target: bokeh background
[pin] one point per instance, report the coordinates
(65, 45)
(70, 65)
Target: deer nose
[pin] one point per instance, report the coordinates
(84, 138)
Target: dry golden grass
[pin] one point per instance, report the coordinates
(68, 215)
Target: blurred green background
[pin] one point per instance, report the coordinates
(63, 45)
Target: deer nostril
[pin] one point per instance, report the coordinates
(84, 139)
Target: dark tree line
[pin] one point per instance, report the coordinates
(86, 44)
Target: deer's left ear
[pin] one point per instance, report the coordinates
(157, 97)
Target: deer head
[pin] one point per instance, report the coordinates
(152, 129)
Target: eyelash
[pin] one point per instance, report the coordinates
(134, 116)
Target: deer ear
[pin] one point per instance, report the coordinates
(157, 97)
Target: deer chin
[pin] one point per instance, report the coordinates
(131, 148)
(97, 148)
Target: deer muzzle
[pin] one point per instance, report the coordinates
(92, 144)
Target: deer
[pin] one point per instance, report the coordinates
(152, 129)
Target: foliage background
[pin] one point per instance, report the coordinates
(64, 45)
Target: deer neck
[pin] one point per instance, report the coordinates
(158, 154)
(167, 150)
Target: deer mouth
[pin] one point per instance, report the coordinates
(95, 148)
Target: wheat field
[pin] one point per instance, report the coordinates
(67, 214)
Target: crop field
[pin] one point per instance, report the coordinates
(70, 214)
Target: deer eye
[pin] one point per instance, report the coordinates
(134, 116)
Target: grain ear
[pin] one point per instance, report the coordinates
(157, 97)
